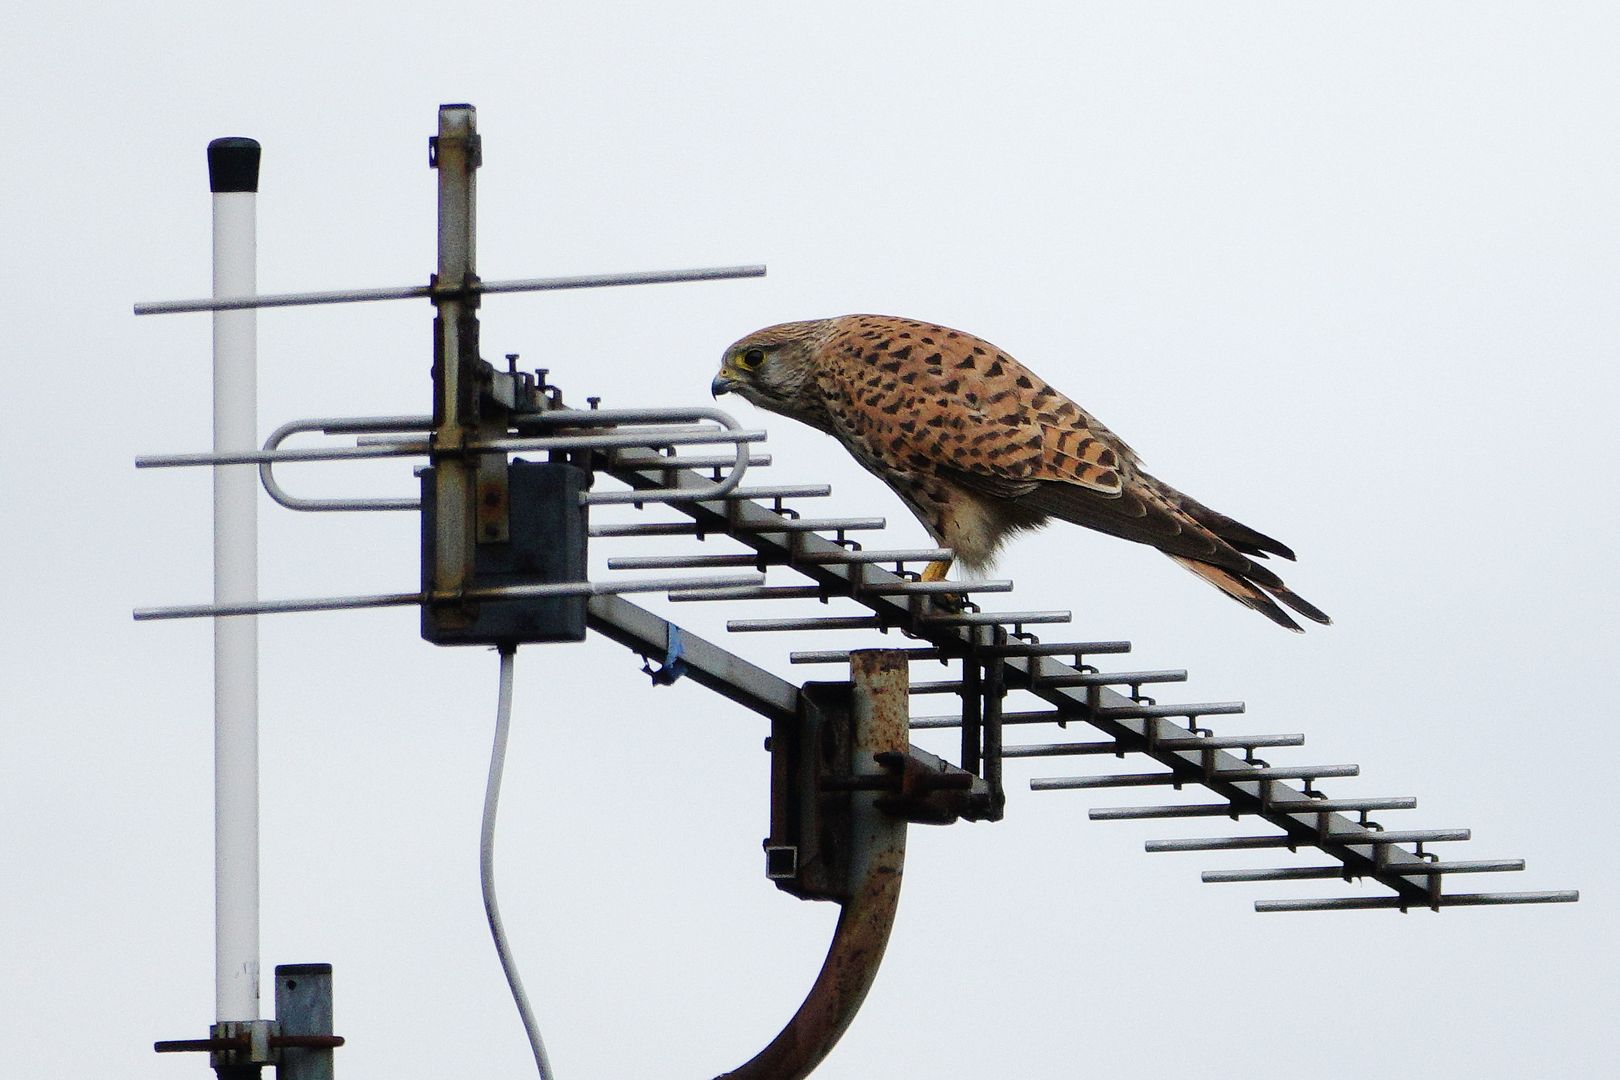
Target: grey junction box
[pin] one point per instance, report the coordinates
(546, 546)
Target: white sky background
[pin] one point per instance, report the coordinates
(1347, 272)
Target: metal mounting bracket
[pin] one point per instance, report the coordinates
(859, 865)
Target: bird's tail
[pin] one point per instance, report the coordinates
(1257, 588)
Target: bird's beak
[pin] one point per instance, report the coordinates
(722, 384)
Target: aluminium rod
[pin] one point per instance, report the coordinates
(1038, 716)
(903, 555)
(1065, 783)
(1112, 678)
(1280, 873)
(781, 491)
(997, 618)
(1323, 873)
(1393, 836)
(793, 525)
(929, 588)
(688, 528)
(933, 652)
(1286, 772)
(1240, 843)
(1335, 806)
(642, 528)
(841, 656)
(1105, 678)
(422, 292)
(681, 562)
(942, 686)
(1228, 742)
(1208, 708)
(831, 622)
(1464, 866)
(781, 592)
(1355, 903)
(762, 592)
(496, 592)
(701, 461)
(1055, 648)
(1325, 806)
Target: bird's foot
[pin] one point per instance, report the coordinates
(952, 602)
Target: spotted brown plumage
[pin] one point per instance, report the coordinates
(979, 447)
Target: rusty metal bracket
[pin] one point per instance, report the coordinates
(871, 856)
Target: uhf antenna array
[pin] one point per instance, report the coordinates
(504, 544)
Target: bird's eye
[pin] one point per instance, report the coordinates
(751, 359)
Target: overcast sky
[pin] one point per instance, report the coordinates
(1346, 272)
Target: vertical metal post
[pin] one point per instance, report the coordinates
(304, 1007)
(994, 690)
(972, 703)
(233, 174)
(456, 153)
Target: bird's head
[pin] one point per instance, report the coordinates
(772, 368)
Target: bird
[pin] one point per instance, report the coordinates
(980, 448)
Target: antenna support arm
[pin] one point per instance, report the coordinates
(870, 893)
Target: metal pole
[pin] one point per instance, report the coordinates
(456, 152)
(233, 174)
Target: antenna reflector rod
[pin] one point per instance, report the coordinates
(423, 292)
(1354, 903)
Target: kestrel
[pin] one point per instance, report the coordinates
(979, 447)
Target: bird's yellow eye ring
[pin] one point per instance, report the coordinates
(751, 359)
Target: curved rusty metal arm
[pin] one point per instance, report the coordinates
(877, 858)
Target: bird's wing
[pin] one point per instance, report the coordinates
(927, 397)
(1145, 511)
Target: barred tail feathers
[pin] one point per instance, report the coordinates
(1251, 595)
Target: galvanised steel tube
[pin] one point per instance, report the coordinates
(233, 174)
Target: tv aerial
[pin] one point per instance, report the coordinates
(503, 563)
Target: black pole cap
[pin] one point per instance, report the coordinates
(233, 164)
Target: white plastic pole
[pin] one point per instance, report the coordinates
(233, 173)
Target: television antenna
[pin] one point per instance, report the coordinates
(504, 544)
